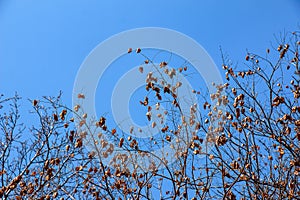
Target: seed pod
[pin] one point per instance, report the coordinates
(55, 117)
(34, 102)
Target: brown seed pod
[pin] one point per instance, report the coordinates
(141, 69)
(55, 117)
(80, 96)
(163, 64)
(34, 102)
(62, 114)
(138, 50)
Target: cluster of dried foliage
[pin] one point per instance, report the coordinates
(255, 143)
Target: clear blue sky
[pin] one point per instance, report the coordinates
(43, 43)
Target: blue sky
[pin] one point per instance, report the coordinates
(43, 43)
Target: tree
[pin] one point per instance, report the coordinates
(251, 122)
